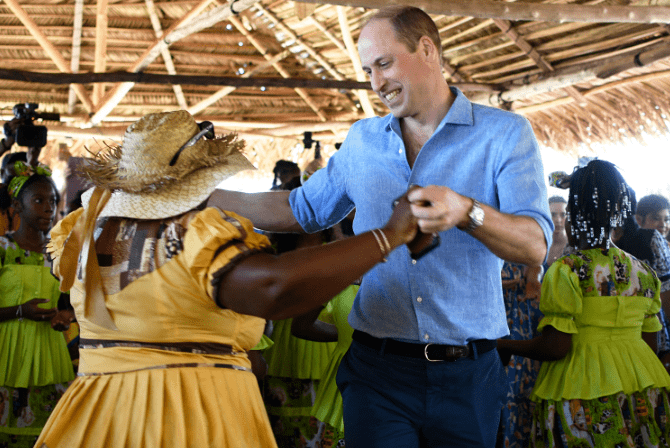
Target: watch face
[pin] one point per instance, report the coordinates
(476, 216)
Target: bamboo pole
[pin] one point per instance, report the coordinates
(100, 47)
(154, 78)
(177, 31)
(308, 48)
(516, 11)
(612, 85)
(227, 90)
(282, 71)
(338, 43)
(167, 57)
(366, 104)
(49, 49)
(76, 50)
(564, 79)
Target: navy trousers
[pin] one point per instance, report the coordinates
(397, 401)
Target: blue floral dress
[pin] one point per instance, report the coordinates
(523, 316)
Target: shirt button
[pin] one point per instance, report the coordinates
(413, 261)
(419, 299)
(400, 151)
(426, 337)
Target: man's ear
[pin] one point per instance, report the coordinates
(640, 220)
(427, 47)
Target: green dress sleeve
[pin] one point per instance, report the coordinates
(649, 279)
(561, 298)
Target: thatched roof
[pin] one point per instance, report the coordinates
(583, 72)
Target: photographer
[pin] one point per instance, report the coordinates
(23, 131)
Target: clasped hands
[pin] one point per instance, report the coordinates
(436, 209)
(60, 319)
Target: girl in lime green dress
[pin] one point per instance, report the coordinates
(601, 384)
(35, 365)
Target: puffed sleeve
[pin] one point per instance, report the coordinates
(561, 299)
(651, 287)
(58, 237)
(215, 241)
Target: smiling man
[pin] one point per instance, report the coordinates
(422, 369)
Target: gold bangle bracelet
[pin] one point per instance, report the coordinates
(379, 243)
(386, 241)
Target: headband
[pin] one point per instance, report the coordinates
(23, 173)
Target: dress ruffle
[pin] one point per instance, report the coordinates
(597, 369)
(292, 357)
(184, 407)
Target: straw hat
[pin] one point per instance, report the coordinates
(163, 168)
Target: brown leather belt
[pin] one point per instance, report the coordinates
(431, 352)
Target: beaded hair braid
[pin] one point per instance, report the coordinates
(599, 201)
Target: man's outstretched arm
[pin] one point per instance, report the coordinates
(269, 210)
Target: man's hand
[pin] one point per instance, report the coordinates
(439, 208)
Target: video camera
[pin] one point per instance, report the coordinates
(27, 133)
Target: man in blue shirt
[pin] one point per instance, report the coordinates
(422, 370)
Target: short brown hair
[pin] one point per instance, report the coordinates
(410, 24)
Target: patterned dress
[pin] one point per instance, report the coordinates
(523, 316)
(610, 390)
(35, 365)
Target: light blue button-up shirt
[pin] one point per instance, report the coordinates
(453, 294)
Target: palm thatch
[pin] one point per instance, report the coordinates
(584, 72)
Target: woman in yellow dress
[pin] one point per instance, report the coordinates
(170, 296)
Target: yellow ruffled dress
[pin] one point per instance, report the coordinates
(157, 278)
(610, 390)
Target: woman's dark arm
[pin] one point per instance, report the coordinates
(293, 283)
(551, 345)
(651, 339)
(308, 326)
(29, 310)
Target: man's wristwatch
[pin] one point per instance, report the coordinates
(476, 215)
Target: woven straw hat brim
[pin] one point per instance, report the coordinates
(174, 199)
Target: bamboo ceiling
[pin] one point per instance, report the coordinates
(583, 72)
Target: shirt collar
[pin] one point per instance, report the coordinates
(460, 112)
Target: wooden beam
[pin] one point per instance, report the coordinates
(76, 50)
(338, 43)
(100, 58)
(167, 57)
(515, 11)
(565, 78)
(612, 85)
(506, 27)
(282, 71)
(232, 81)
(227, 90)
(49, 49)
(308, 48)
(185, 26)
(366, 104)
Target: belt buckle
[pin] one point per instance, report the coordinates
(450, 354)
(425, 353)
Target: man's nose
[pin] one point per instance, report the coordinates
(377, 80)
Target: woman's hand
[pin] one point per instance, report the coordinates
(31, 310)
(62, 320)
(401, 227)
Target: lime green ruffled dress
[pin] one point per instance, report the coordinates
(328, 402)
(35, 365)
(295, 367)
(610, 390)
